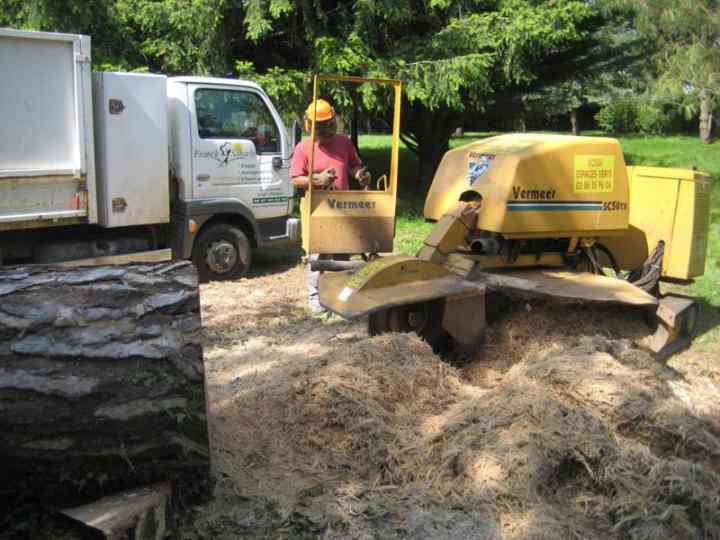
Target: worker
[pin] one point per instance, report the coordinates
(334, 162)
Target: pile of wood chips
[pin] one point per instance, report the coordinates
(559, 427)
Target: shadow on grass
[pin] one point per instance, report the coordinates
(640, 159)
(709, 316)
(709, 306)
(410, 208)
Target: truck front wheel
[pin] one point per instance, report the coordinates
(221, 253)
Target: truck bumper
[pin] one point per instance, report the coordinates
(278, 231)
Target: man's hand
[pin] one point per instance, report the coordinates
(363, 176)
(324, 179)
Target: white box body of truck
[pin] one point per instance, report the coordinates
(124, 164)
(131, 157)
(46, 140)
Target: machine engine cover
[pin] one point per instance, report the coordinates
(536, 186)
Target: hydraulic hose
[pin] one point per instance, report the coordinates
(334, 266)
(595, 266)
(613, 262)
(647, 276)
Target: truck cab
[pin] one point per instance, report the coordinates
(230, 158)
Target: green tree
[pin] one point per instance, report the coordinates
(688, 57)
(453, 56)
(95, 19)
(176, 36)
(168, 36)
(613, 66)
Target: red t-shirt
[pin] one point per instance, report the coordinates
(337, 153)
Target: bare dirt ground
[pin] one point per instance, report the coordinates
(557, 427)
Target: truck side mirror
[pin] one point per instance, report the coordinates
(296, 134)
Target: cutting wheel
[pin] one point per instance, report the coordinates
(423, 318)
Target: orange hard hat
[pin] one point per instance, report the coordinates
(319, 110)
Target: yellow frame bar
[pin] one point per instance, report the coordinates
(395, 143)
(367, 224)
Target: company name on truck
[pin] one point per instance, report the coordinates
(227, 153)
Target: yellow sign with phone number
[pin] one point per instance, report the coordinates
(593, 174)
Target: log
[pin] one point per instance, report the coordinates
(141, 514)
(101, 380)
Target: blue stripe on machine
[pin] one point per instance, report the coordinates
(517, 206)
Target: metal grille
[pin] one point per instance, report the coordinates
(701, 224)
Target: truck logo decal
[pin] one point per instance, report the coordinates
(227, 153)
(477, 165)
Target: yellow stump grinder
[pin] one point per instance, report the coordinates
(534, 216)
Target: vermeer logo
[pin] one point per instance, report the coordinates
(477, 165)
(532, 194)
(350, 205)
(226, 153)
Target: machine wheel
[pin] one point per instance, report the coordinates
(424, 318)
(222, 252)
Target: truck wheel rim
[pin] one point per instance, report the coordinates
(222, 256)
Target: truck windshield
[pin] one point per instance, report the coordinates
(236, 114)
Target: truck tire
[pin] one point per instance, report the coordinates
(221, 253)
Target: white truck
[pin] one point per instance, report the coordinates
(119, 167)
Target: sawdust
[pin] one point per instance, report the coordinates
(520, 329)
(558, 427)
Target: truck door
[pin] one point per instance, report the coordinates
(235, 136)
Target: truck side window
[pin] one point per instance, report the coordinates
(236, 114)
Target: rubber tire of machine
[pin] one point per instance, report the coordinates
(235, 244)
(399, 319)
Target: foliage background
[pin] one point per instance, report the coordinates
(473, 64)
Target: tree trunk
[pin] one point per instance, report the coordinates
(427, 133)
(354, 127)
(101, 379)
(574, 122)
(705, 117)
(519, 114)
